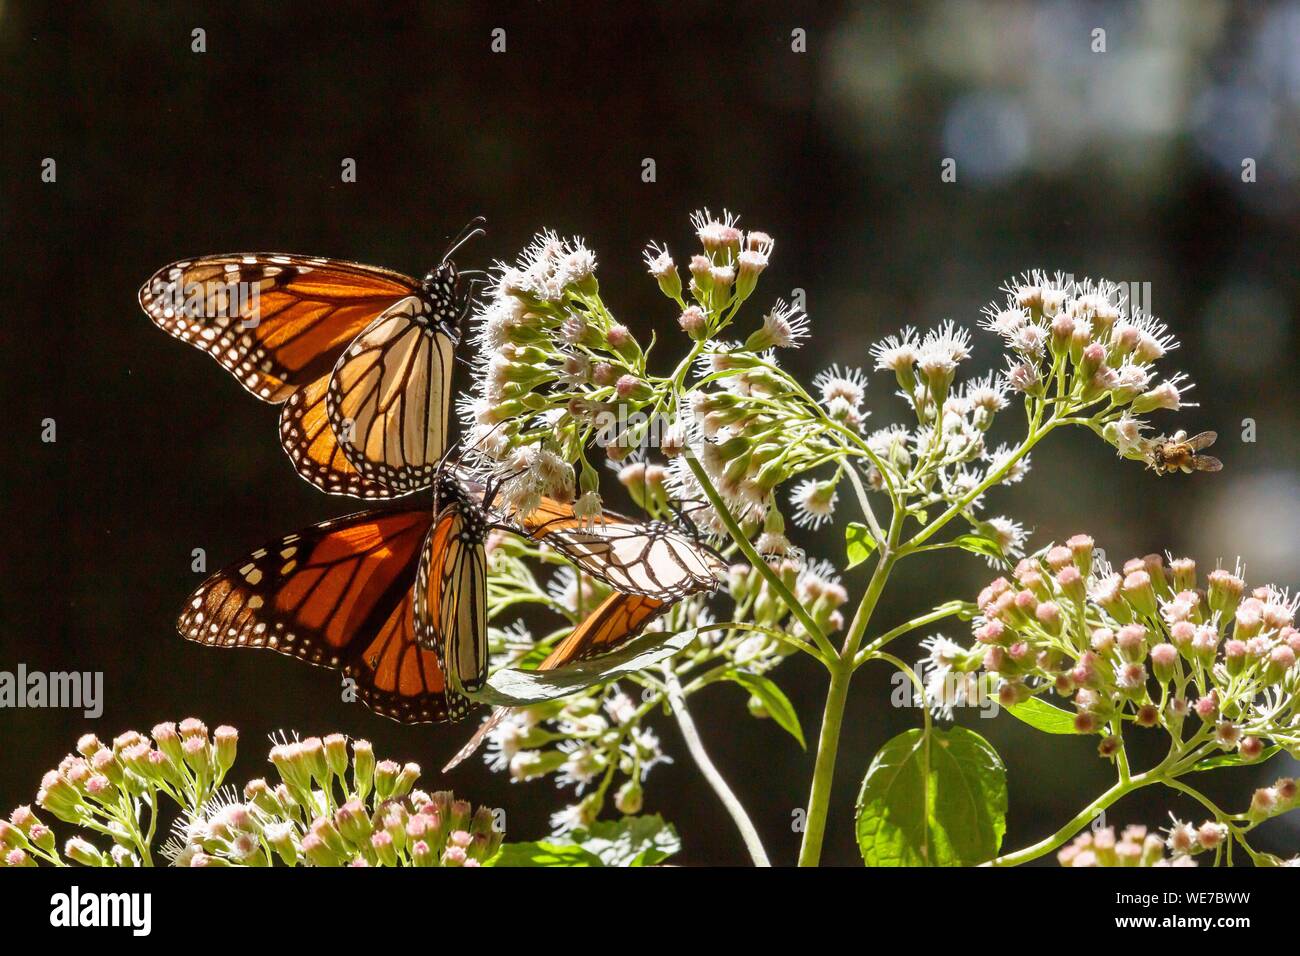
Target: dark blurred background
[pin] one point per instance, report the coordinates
(1125, 164)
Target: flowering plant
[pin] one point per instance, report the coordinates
(724, 441)
(726, 444)
(329, 807)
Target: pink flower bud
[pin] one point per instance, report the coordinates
(1264, 802)
(1002, 607)
(1250, 747)
(1207, 707)
(1012, 693)
(1081, 546)
(1058, 557)
(1205, 644)
(1280, 660)
(1182, 838)
(192, 727)
(1211, 834)
(1132, 642)
(1070, 581)
(1184, 572)
(1227, 734)
(1164, 658)
(1224, 592)
(693, 322)
(1181, 634)
(1234, 656)
(1139, 593)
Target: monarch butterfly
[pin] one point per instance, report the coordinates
(618, 619)
(360, 356)
(649, 558)
(338, 594)
(396, 600)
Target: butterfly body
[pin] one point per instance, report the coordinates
(441, 289)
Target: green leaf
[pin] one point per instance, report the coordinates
(633, 841)
(545, 854)
(1235, 759)
(513, 687)
(860, 543)
(933, 799)
(1043, 716)
(775, 702)
(980, 544)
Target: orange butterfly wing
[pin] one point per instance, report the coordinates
(339, 595)
(652, 559)
(276, 322)
(618, 619)
(389, 396)
(451, 592)
(309, 440)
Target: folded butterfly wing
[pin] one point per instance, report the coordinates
(451, 594)
(389, 397)
(618, 619)
(648, 558)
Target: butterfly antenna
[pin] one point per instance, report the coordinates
(443, 466)
(464, 450)
(683, 515)
(472, 229)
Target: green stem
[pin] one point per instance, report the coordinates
(1235, 832)
(841, 668)
(864, 503)
(828, 742)
(938, 614)
(1036, 434)
(781, 636)
(677, 700)
(1077, 822)
(146, 855)
(1121, 756)
(747, 549)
